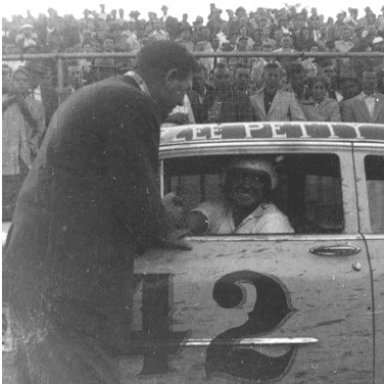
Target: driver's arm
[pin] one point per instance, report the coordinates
(197, 223)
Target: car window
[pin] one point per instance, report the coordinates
(308, 190)
(374, 170)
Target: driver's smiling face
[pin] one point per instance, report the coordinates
(247, 187)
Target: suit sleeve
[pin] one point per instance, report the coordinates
(347, 112)
(244, 111)
(254, 110)
(132, 176)
(295, 110)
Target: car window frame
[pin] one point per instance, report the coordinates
(360, 151)
(343, 149)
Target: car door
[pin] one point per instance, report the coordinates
(369, 165)
(295, 308)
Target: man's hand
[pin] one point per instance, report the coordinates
(177, 118)
(173, 240)
(175, 210)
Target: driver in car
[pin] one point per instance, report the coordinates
(247, 207)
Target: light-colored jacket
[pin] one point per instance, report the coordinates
(284, 107)
(327, 110)
(355, 110)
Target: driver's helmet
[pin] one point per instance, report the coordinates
(257, 164)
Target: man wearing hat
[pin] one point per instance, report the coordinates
(27, 37)
(90, 203)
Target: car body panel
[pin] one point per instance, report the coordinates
(375, 244)
(324, 330)
(326, 299)
(292, 309)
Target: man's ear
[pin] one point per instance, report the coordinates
(170, 75)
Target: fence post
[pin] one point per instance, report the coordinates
(60, 77)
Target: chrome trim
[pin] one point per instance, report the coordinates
(369, 144)
(246, 148)
(335, 250)
(251, 341)
(373, 236)
(208, 149)
(238, 238)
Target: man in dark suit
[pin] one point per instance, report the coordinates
(91, 202)
(42, 87)
(367, 106)
(74, 81)
(224, 103)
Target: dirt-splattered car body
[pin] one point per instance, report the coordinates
(291, 308)
(306, 307)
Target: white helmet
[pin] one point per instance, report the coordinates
(256, 164)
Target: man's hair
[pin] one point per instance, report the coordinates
(159, 57)
(220, 65)
(295, 68)
(272, 65)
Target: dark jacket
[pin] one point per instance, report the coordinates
(89, 201)
(235, 106)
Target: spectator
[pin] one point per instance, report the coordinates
(368, 106)
(297, 80)
(158, 32)
(6, 79)
(42, 87)
(224, 103)
(185, 40)
(23, 128)
(328, 70)
(108, 44)
(319, 107)
(304, 42)
(349, 85)
(345, 44)
(257, 67)
(27, 37)
(74, 80)
(272, 104)
(103, 68)
(132, 39)
(197, 93)
(204, 46)
(277, 36)
(380, 81)
(242, 79)
(286, 47)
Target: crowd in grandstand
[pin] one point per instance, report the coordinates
(225, 89)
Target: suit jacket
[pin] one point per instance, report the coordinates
(235, 107)
(355, 110)
(89, 200)
(284, 107)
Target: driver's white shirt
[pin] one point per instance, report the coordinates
(266, 218)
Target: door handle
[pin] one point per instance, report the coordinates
(336, 250)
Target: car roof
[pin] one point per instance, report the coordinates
(271, 131)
